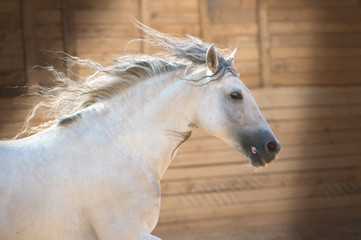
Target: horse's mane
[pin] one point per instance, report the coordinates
(68, 97)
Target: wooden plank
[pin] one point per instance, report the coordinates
(306, 91)
(300, 99)
(11, 92)
(250, 66)
(264, 44)
(232, 11)
(316, 125)
(10, 63)
(47, 17)
(313, 4)
(316, 40)
(12, 78)
(233, 15)
(180, 29)
(234, 29)
(8, 131)
(278, 28)
(269, 225)
(10, 20)
(312, 113)
(308, 52)
(96, 46)
(241, 197)
(9, 116)
(289, 154)
(103, 17)
(47, 5)
(41, 45)
(317, 78)
(229, 5)
(48, 32)
(344, 64)
(174, 6)
(9, 6)
(257, 181)
(246, 54)
(315, 15)
(12, 48)
(245, 41)
(170, 18)
(257, 208)
(106, 5)
(107, 32)
(236, 165)
(10, 34)
(251, 79)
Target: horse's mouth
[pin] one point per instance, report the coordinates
(260, 159)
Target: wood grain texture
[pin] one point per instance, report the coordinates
(69, 27)
(264, 46)
(206, 29)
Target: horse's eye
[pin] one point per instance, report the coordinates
(237, 95)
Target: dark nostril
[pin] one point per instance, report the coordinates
(272, 147)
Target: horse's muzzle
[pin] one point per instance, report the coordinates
(263, 155)
(261, 147)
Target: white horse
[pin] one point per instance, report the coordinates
(95, 173)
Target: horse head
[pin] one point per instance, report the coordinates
(229, 112)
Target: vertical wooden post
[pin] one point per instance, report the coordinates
(206, 31)
(69, 38)
(264, 43)
(68, 27)
(144, 18)
(27, 31)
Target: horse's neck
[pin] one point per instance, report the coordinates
(153, 116)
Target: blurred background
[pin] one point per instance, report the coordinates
(300, 58)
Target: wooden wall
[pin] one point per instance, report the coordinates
(12, 65)
(301, 59)
(314, 42)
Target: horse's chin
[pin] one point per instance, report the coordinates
(257, 160)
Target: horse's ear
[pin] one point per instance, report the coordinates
(212, 59)
(231, 58)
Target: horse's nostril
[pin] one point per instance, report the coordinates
(272, 147)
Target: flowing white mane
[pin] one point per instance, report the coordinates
(68, 97)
